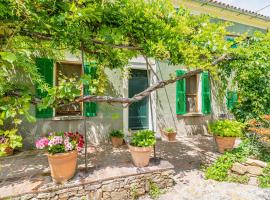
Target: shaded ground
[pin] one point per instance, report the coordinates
(29, 170)
(184, 154)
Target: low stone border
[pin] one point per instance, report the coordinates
(251, 168)
(131, 182)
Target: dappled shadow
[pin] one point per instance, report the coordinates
(30, 168)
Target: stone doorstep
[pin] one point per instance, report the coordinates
(98, 176)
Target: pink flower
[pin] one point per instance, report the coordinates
(56, 140)
(42, 143)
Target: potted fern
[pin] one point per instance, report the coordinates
(117, 137)
(225, 132)
(141, 146)
(169, 133)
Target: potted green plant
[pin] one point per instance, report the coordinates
(62, 154)
(117, 137)
(169, 133)
(141, 146)
(9, 140)
(225, 132)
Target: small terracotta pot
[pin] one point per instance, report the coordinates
(224, 143)
(63, 165)
(9, 151)
(140, 155)
(170, 136)
(117, 141)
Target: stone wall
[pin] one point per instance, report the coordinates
(120, 188)
(251, 168)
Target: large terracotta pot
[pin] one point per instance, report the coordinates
(224, 143)
(140, 155)
(116, 141)
(170, 136)
(63, 165)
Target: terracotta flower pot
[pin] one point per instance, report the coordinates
(9, 151)
(116, 141)
(140, 155)
(170, 136)
(63, 165)
(224, 143)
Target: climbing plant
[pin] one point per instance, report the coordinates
(249, 71)
(111, 33)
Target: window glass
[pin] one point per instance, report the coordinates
(192, 94)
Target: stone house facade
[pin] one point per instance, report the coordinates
(187, 105)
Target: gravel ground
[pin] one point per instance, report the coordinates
(192, 186)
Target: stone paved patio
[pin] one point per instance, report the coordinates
(25, 171)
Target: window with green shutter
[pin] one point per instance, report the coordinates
(180, 94)
(231, 99)
(45, 68)
(206, 93)
(90, 108)
(188, 97)
(231, 39)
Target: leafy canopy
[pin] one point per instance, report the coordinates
(111, 33)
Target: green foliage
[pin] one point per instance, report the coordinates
(264, 179)
(243, 179)
(154, 191)
(143, 138)
(9, 138)
(249, 71)
(169, 130)
(110, 32)
(117, 133)
(226, 128)
(56, 149)
(134, 192)
(219, 171)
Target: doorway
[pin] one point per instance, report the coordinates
(138, 113)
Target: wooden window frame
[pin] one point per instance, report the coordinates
(56, 80)
(197, 94)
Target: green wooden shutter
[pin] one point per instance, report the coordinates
(45, 68)
(90, 108)
(231, 39)
(180, 94)
(231, 99)
(206, 93)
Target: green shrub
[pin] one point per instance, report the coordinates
(155, 191)
(169, 130)
(264, 179)
(243, 179)
(117, 133)
(143, 138)
(219, 171)
(226, 128)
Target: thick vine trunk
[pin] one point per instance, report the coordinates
(139, 96)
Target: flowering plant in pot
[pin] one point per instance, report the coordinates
(141, 146)
(62, 154)
(117, 137)
(169, 133)
(9, 140)
(225, 133)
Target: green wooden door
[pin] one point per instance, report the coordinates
(138, 112)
